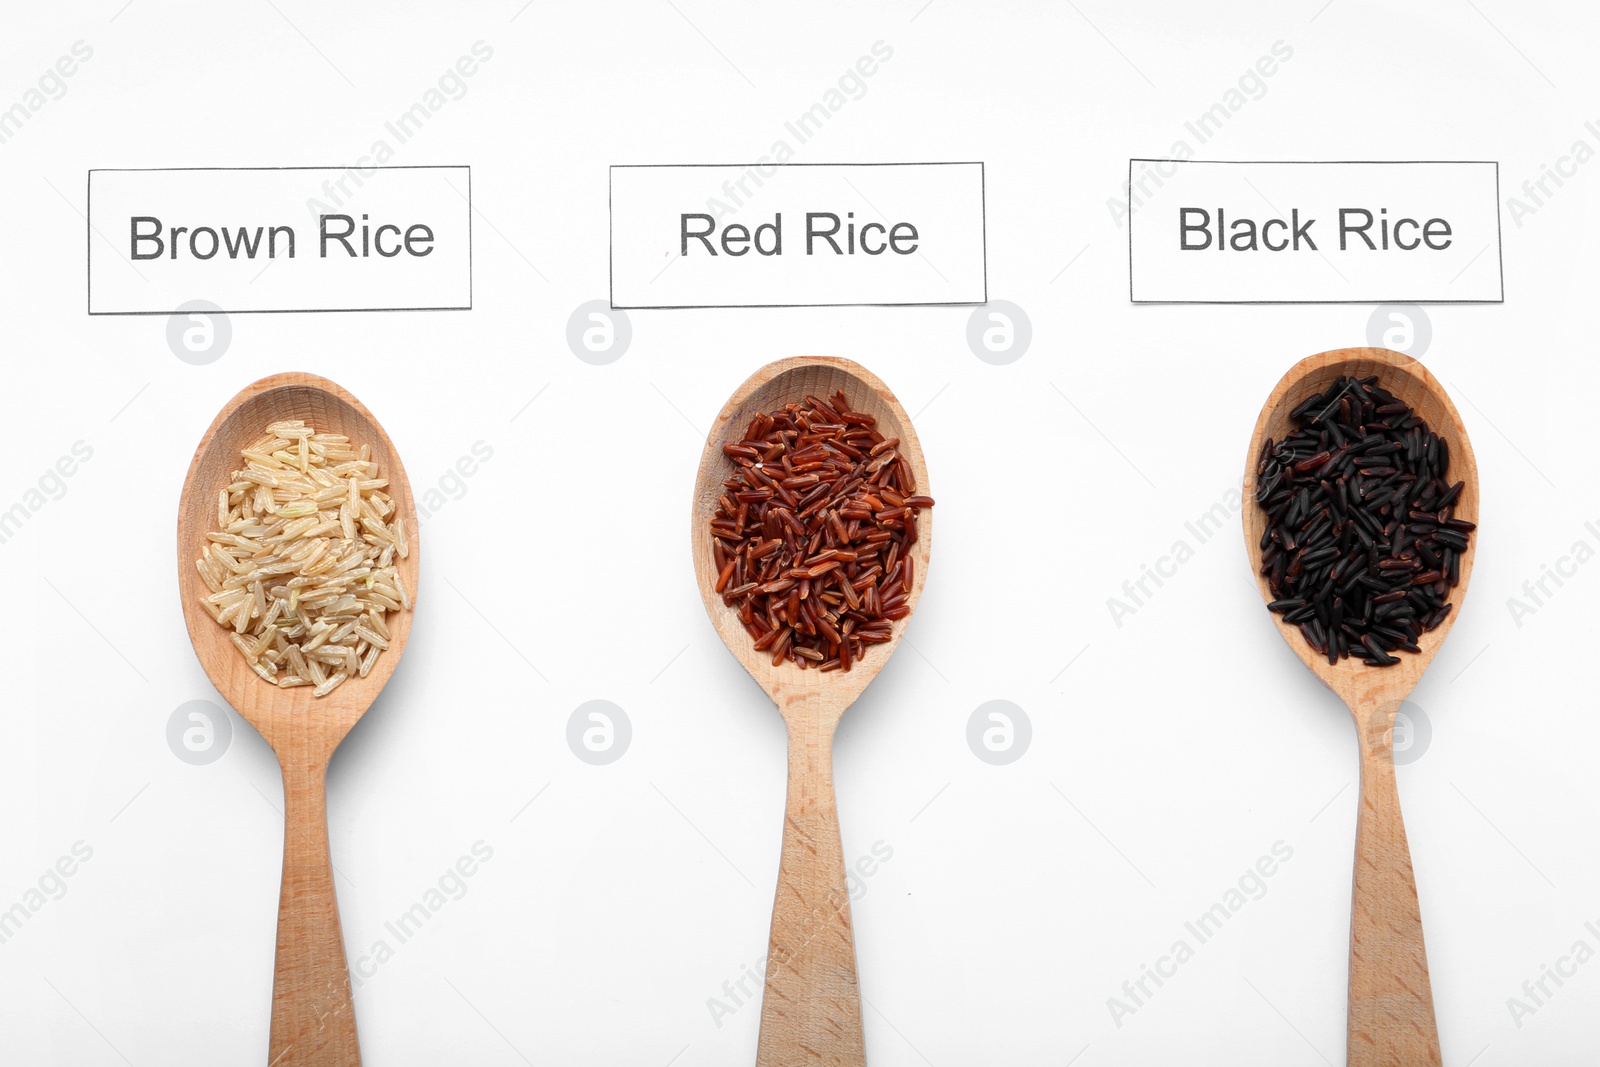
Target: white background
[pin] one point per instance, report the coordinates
(1168, 756)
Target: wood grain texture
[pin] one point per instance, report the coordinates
(1391, 1019)
(312, 1018)
(811, 1009)
(1391, 997)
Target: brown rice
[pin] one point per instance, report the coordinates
(301, 566)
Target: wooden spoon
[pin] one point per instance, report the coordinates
(1391, 1019)
(811, 1011)
(312, 1020)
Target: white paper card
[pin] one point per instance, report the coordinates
(1214, 232)
(769, 235)
(280, 239)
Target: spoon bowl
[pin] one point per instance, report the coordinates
(1391, 1018)
(312, 1019)
(811, 1010)
(1409, 381)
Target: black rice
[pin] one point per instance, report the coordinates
(1362, 546)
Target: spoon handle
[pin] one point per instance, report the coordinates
(811, 1011)
(312, 1018)
(1391, 999)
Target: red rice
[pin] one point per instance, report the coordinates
(812, 537)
